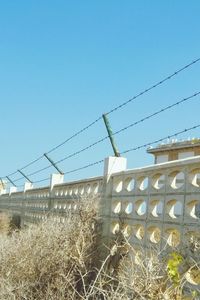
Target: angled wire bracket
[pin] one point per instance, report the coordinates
(11, 181)
(110, 134)
(53, 163)
(24, 176)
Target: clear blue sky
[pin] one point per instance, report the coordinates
(63, 63)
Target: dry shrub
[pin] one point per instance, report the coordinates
(145, 273)
(4, 223)
(61, 262)
(48, 261)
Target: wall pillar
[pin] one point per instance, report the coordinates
(55, 179)
(112, 165)
(13, 189)
(28, 186)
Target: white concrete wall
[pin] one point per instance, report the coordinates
(159, 204)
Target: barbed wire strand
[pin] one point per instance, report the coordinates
(109, 112)
(153, 86)
(42, 180)
(56, 147)
(127, 151)
(115, 133)
(160, 140)
(74, 135)
(157, 113)
(86, 166)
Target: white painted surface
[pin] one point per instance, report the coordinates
(183, 155)
(114, 164)
(56, 179)
(162, 158)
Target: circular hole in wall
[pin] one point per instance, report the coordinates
(154, 234)
(143, 183)
(117, 185)
(115, 227)
(88, 189)
(129, 184)
(75, 190)
(158, 181)
(194, 177)
(193, 209)
(193, 275)
(117, 207)
(173, 237)
(174, 208)
(128, 208)
(156, 207)
(81, 190)
(126, 230)
(177, 179)
(138, 231)
(95, 188)
(140, 207)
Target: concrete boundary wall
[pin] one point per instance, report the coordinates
(155, 201)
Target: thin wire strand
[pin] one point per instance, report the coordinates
(157, 113)
(69, 156)
(32, 162)
(82, 150)
(42, 180)
(74, 170)
(126, 102)
(40, 170)
(74, 135)
(117, 132)
(153, 86)
(109, 112)
(160, 140)
(11, 174)
(129, 126)
(18, 179)
(126, 151)
(86, 166)
(56, 147)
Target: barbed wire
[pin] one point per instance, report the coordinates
(109, 112)
(153, 86)
(32, 162)
(115, 133)
(156, 113)
(126, 151)
(85, 167)
(160, 140)
(18, 179)
(42, 180)
(71, 171)
(74, 135)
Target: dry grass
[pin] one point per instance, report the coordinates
(48, 261)
(4, 223)
(54, 261)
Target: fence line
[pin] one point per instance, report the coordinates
(159, 204)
